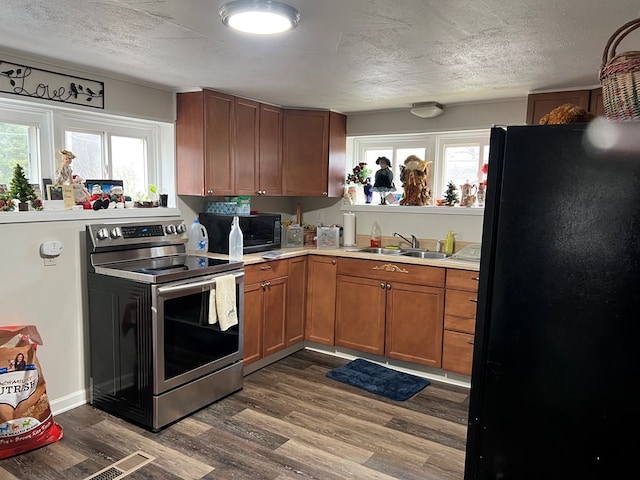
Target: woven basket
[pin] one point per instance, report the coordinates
(620, 77)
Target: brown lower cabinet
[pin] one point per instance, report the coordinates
(459, 320)
(265, 300)
(321, 299)
(296, 300)
(390, 309)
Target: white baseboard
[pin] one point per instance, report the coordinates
(69, 402)
(412, 368)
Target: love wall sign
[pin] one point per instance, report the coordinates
(36, 83)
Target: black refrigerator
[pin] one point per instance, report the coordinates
(556, 366)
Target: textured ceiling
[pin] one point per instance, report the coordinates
(346, 55)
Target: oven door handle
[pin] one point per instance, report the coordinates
(190, 285)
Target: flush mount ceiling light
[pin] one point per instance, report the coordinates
(261, 17)
(427, 109)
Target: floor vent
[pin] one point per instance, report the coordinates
(123, 467)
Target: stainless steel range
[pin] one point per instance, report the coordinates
(155, 355)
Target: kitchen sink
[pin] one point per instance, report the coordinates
(413, 252)
(424, 254)
(378, 250)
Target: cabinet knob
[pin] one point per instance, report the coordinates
(333, 262)
(382, 285)
(209, 192)
(388, 286)
(325, 194)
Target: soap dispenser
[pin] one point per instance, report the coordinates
(449, 242)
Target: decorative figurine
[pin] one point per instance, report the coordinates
(64, 175)
(384, 179)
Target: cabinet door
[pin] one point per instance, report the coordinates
(414, 324)
(539, 104)
(253, 308)
(460, 311)
(457, 352)
(219, 142)
(296, 294)
(270, 173)
(596, 104)
(190, 143)
(274, 316)
(321, 300)
(360, 314)
(247, 140)
(305, 152)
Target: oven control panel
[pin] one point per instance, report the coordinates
(161, 232)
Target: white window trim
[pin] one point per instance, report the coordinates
(434, 144)
(52, 121)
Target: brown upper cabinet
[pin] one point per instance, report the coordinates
(258, 148)
(314, 153)
(228, 145)
(204, 143)
(539, 104)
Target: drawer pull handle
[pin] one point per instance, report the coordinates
(267, 267)
(475, 278)
(470, 342)
(474, 300)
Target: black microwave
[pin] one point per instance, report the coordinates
(260, 231)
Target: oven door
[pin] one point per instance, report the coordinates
(186, 347)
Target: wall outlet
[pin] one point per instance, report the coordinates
(49, 261)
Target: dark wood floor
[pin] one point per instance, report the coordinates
(288, 422)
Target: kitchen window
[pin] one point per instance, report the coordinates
(454, 156)
(112, 149)
(106, 146)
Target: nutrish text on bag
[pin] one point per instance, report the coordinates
(26, 421)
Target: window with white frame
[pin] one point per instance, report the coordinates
(105, 146)
(455, 156)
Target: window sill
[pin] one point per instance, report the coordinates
(86, 215)
(426, 210)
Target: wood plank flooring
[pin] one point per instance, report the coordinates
(288, 422)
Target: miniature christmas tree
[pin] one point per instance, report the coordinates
(451, 195)
(20, 187)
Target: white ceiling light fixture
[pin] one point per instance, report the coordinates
(427, 109)
(260, 17)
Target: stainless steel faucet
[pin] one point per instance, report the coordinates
(413, 241)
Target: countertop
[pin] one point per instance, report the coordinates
(254, 258)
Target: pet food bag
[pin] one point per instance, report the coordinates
(26, 421)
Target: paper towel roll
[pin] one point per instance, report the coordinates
(349, 232)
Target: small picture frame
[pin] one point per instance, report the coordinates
(54, 192)
(105, 185)
(45, 183)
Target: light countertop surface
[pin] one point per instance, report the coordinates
(254, 258)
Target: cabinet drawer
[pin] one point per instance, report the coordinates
(265, 271)
(390, 271)
(460, 311)
(457, 352)
(466, 280)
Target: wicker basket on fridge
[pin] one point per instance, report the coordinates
(620, 77)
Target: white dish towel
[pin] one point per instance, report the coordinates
(213, 311)
(226, 301)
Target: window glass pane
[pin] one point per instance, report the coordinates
(87, 147)
(461, 164)
(14, 149)
(128, 161)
